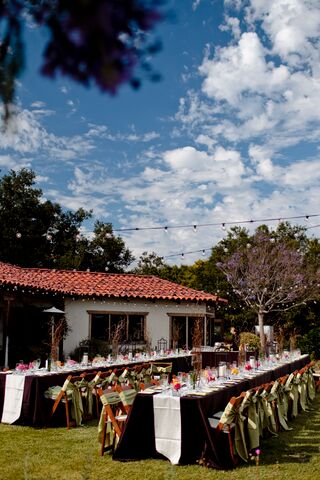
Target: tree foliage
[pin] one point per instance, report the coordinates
(105, 251)
(149, 264)
(38, 233)
(271, 274)
(206, 275)
(90, 41)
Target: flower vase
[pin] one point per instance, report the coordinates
(193, 379)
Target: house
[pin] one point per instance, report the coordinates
(150, 308)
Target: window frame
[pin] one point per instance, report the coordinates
(125, 314)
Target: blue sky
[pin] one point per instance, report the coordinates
(230, 133)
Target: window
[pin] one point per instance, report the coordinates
(103, 326)
(182, 330)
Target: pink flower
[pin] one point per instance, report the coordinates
(71, 362)
(177, 386)
(258, 451)
(22, 367)
(248, 367)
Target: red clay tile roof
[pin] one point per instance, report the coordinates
(96, 284)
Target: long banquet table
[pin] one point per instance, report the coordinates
(138, 438)
(35, 408)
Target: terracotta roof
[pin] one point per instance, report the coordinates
(96, 284)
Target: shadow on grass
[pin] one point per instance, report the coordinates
(298, 445)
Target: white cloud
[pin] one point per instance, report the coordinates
(240, 69)
(302, 173)
(38, 104)
(231, 24)
(195, 4)
(292, 25)
(102, 131)
(11, 163)
(25, 135)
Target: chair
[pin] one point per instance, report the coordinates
(269, 398)
(280, 404)
(127, 396)
(69, 393)
(262, 409)
(231, 424)
(161, 368)
(292, 386)
(250, 410)
(112, 419)
(311, 384)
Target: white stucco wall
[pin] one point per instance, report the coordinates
(157, 318)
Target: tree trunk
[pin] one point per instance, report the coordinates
(261, 331)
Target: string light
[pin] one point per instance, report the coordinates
(182, 254)
(216, 224)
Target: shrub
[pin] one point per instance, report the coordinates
(250, 340)
(310, 343)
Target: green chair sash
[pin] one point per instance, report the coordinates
(127, 396)
(248, 409)
(271, 421)
(233, 415)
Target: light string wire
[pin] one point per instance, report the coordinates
(194, 226)
(204, 250)
(215, 224)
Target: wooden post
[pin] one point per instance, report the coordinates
(8, 299)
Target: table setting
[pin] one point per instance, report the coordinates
(190, 403)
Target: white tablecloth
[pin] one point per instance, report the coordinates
(13, 398)
(167, 426)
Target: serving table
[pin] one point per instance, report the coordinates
(138, 442)
(35, 408)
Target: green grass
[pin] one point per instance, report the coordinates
(55, 453)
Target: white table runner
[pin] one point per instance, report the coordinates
(13, 398)
(167, 426)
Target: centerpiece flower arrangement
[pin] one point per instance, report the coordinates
(176, 384)
(22, 367)
(210, 376)
(71, 362)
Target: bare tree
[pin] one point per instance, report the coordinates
(117, 336)
(270, 275)
(176, 332)
(197, 335)
(57, 331)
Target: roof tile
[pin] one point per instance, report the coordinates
(98, 284)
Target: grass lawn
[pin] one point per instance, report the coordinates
(55, 453)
